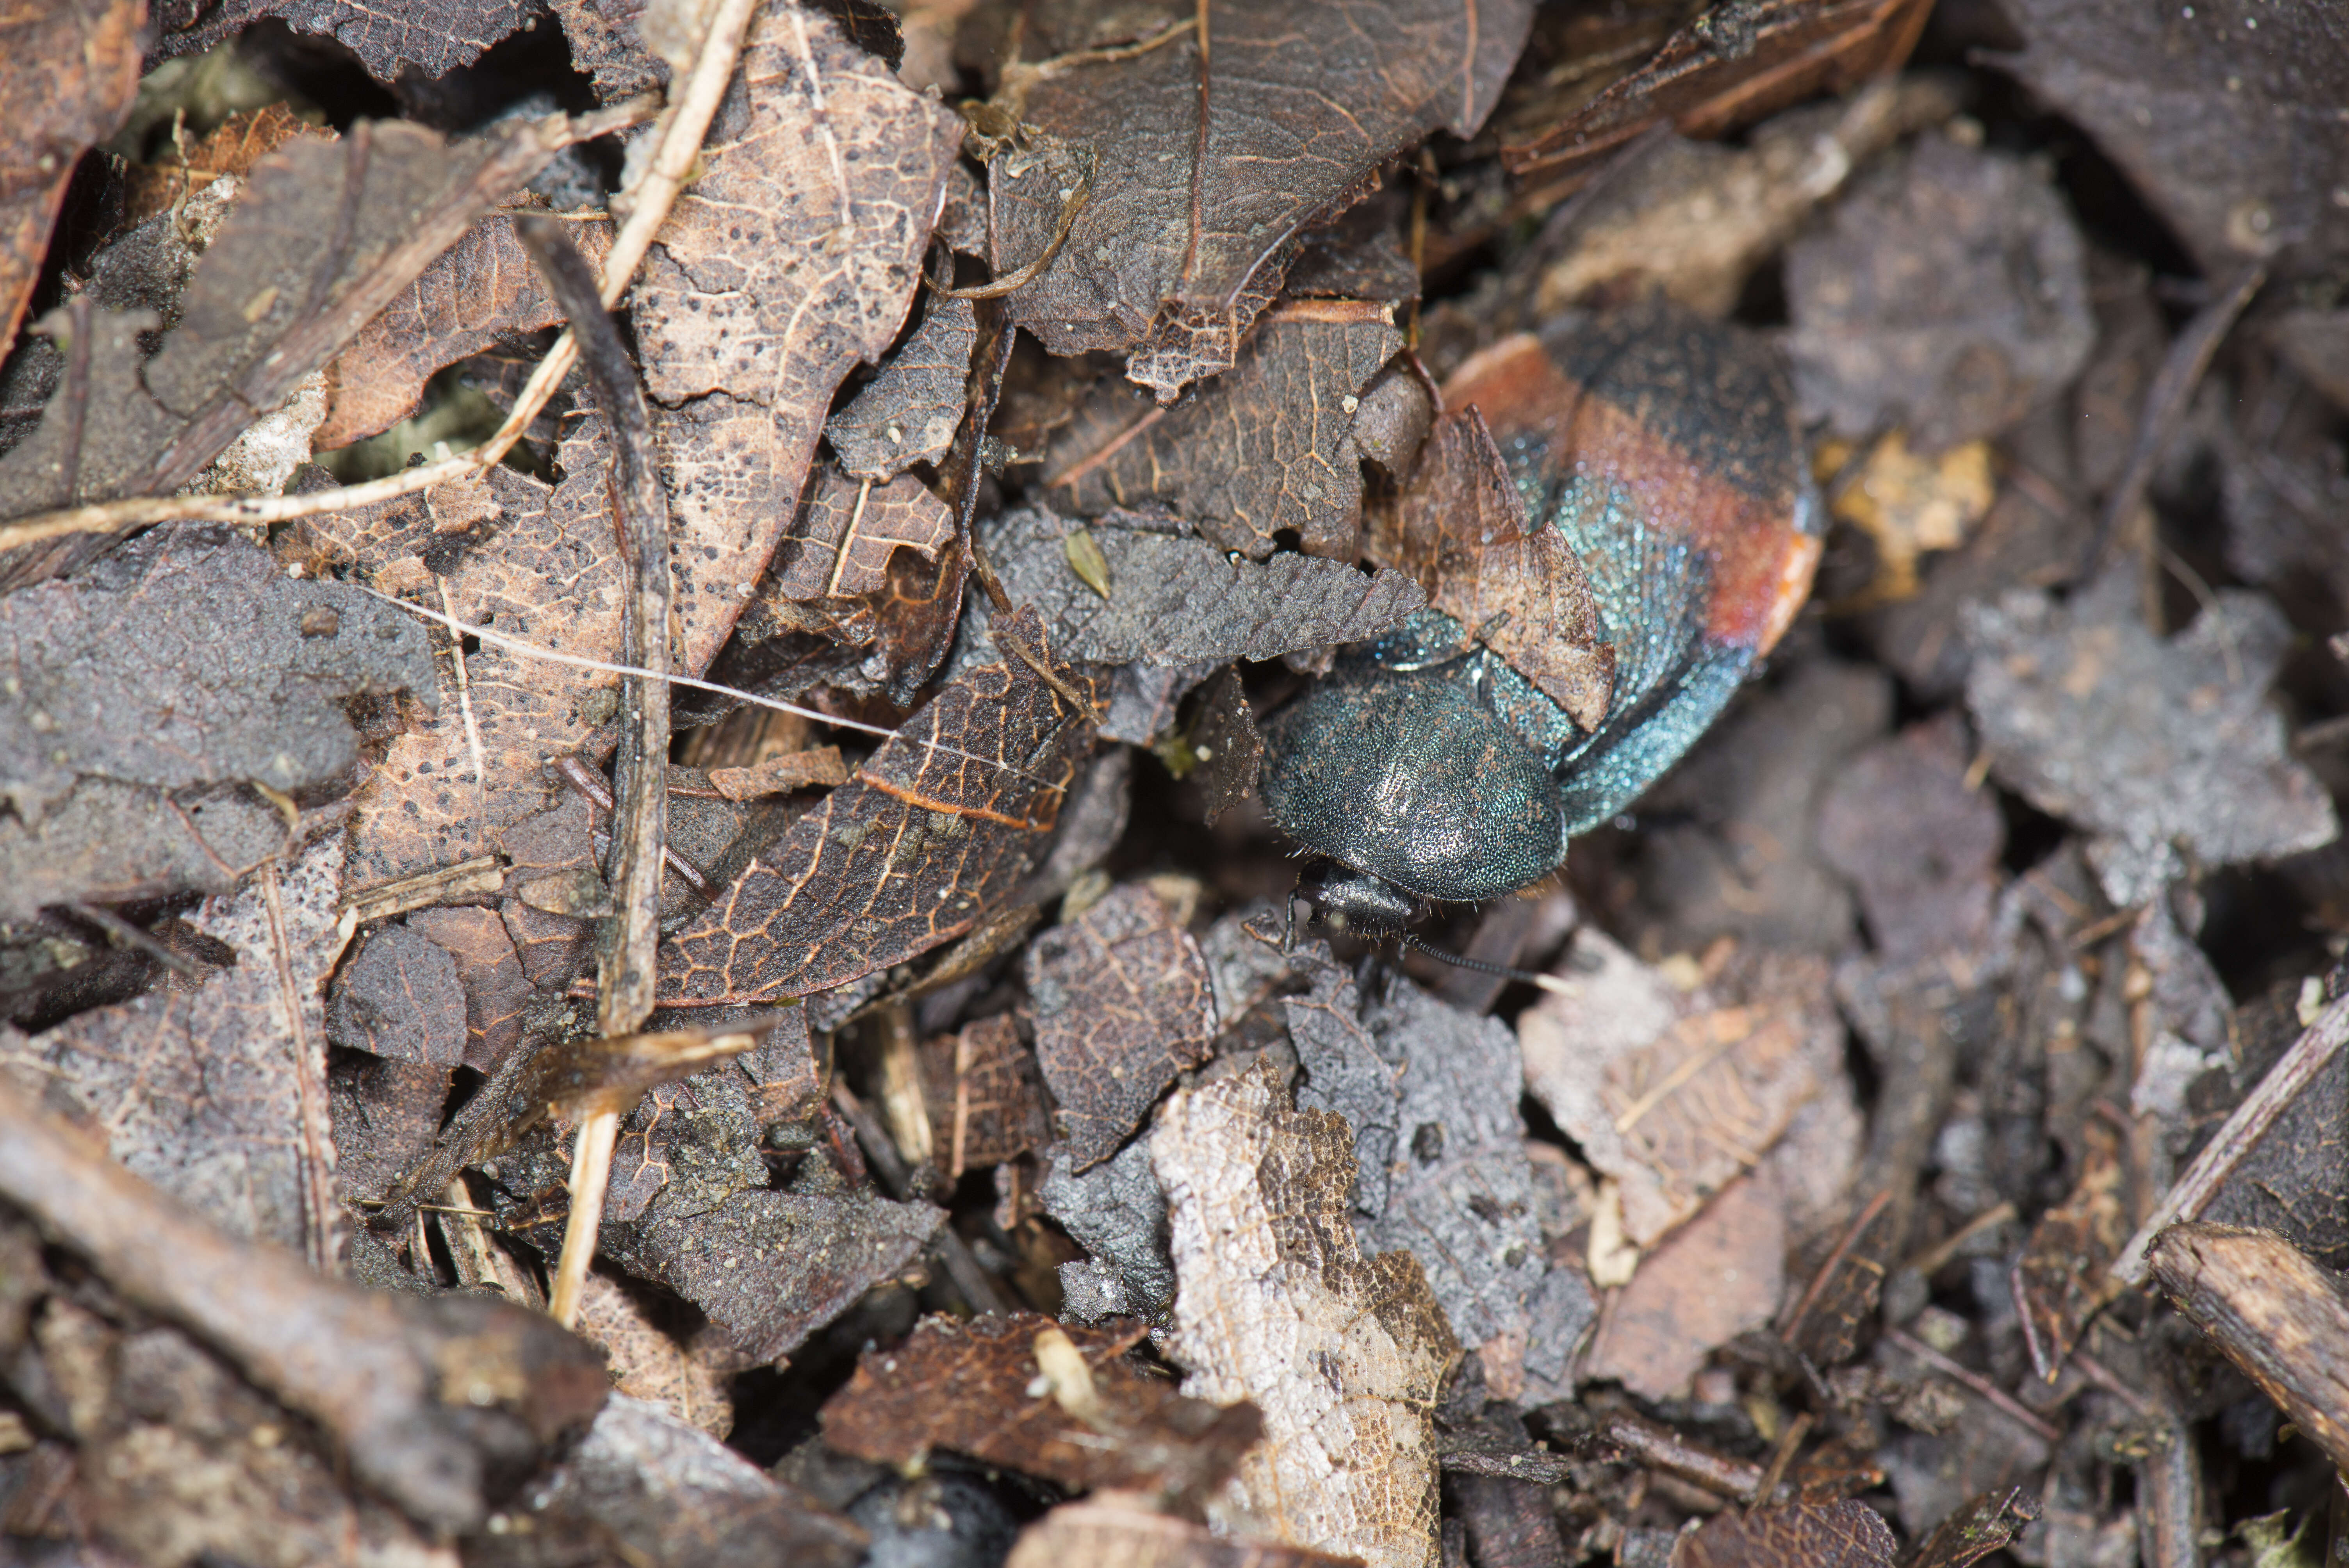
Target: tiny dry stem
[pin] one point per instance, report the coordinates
(626, 967)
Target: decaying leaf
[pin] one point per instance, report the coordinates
(188, 660)
(2227, 119)
(1797, 1535)
(1277, 1305)
(1921, 847)
(1460, 1194)
(324, 236)
(1988, 1524)
(1119, 1535)
(907, 413)
(400, 998)
(984, 1096)
(1722, 68)
(1123, 1005)
(73, 73)
(647, 1362)
(105, 842)
(1020, 1391)
(2151, 743)
(1948, 294)
(940, 823)
(1461, 529)
(1344, 1074)
(1673, 1093)
(481, 289)
(219, 1092)
(1227, 746)
(1178, 601)
(1207, 149)
(1716, 1276)
(770, 1268)
(669, 1496)
(1267, 447)
(433, 39)
(1118, 1214)
(842, 541)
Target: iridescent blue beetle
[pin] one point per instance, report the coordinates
(1662, 450)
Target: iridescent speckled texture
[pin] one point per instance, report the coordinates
(1663, 447)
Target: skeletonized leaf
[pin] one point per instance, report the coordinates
(910, 855)
(1276, 1303)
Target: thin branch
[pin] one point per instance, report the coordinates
(626, 958)
(2166, 403)
(2191, 1193)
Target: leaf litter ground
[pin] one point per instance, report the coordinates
(1927, 1147)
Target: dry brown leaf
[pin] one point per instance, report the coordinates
(1721, 71)
(780, 774)
(984, 1095)
(974, 1388)
(1461, 529)
(1123, 1003)
(1268, 446)
(1276, 1303)
(646, 1361)
(793, 255)
(71, 73)
(1671, 1092)
(912, 854)
(481, 289)
(234, 145)
(841, 544)
(1715, 1278)
(1843, 1534)
(323, 237)
(1206, 154)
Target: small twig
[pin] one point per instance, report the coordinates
(322, 1216)
(2191, 1193)
(1020, 277)
(1997, 1398)
(590, 783)
(130, 936)
(2165, 404)
(1790, 1442)
(627, 970)
(1929, 1263)
(1850, 1239)
(977, 1286)
(1658, 1447)
(464, 696)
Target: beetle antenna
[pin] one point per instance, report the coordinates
(1549, 983)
